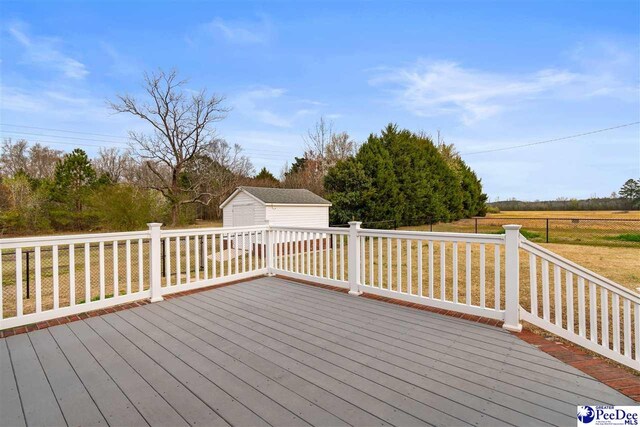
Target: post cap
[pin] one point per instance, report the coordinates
(512, 227)
(355, 223)
(154, 224)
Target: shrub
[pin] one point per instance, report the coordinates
(123, 207)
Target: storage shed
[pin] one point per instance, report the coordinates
(280, 206)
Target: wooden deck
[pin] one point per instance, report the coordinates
(273, 352)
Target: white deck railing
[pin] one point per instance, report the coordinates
(477, 274)
(581, 306)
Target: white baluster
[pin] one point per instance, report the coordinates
(56, 277)
(19, 310)
(87, 272)
(454, 271)
(72, 275)
(615, 320)
(101, 269)
(467, 271)
(581, 308)
(114, 255)
(420, 268)
(38, 279)
(128, 260)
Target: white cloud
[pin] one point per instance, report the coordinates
(260, 104)
(433, 88)
(444, 87)
(257, 32)
(45, 51)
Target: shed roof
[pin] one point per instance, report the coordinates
(281, 196)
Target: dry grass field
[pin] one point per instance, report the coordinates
(568, 214)
(594, 228)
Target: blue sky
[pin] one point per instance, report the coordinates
(486, 74)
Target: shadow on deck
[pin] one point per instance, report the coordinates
(274, 352)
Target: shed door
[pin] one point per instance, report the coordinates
(243, 215)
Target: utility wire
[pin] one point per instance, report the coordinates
(256, 151)
(62, 130)
(267, 155)
(549, 140)
(65, 137)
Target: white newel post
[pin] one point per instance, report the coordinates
(512, 278)
(354, 258)
(268, 248)
(155, 262)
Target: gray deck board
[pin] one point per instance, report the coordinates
(116, 408)
(300, 406)
(274, 352)
(280, 355)
(267, 409)
(76, 403)
(454, 400)
(423, 334)
(194, 411)
(457, 363)
(324, 399)
(38, 401)
(149, 403)
(205, 388)
(10, 405)
(397, 369)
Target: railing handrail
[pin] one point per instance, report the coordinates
(329, 230)
(210, 230)
(434, 235)
(579, 270)
(22, 242)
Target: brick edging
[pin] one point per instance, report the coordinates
(80, 316)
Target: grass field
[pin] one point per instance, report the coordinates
(595, 228)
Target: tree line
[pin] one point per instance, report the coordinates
(627, 198)
(180, 170)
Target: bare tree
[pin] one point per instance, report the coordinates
(37, 161)
(182, 124)
(340, 147)
(317, 140)
(114, 163)
(13, 157)
(219, 172)
(43, 160)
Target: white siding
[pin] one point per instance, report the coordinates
(301, 216)
(243, 199)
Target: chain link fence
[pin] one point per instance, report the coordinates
(586, 231)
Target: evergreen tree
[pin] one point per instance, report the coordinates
(402, 177)
(73, 179)
(631, 192)
(350, 191)
(266, 176)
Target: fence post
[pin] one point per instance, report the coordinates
(354, 258)
(155, 260)
(268, 249)
(476, 228)
(547, 230)
(512, 278)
